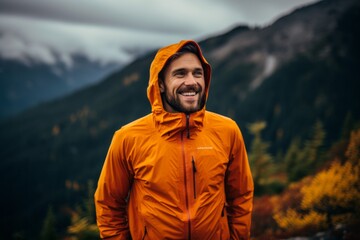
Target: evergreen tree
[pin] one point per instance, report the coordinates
(348, 125)
(292, 157)
(89, 202)
(83, 225)
(353, 150)
(48, 231)
(313, 146)
(259, 158)
(300, 162)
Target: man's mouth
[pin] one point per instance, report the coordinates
(188, 93)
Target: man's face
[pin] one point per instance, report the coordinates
(183, 85)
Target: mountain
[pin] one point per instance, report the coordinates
(286, 73)
(301, 69)
(24, 85)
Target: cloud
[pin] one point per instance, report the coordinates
(115, 31)
(176, 16)
(30, 40)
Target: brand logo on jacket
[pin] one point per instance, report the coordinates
(205, 148)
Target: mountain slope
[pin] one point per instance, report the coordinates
(290, 83)
(26, 85)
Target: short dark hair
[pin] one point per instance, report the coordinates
(187, 48)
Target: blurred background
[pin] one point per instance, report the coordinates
(72, 73)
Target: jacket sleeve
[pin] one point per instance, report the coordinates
(239, 189)
(112, 192)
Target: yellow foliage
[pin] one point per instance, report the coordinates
(292, 220)
(81, 115)
(128, 80)
(332, 196)
(335, 187)
(55, 130)
(82, 225)
(257, 127)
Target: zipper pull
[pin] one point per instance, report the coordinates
(187, 125)
(193, 164)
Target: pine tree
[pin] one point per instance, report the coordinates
(83, 225)
(292, 157)
(48, 231)
(312, 150)
(301, 161)
(89, 203)
(259, 158)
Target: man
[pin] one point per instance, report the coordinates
(180, 172)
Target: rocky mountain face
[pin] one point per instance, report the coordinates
(267, 49)
(301, 69)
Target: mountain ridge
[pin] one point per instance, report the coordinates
(25, 84)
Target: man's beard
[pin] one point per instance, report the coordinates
(176, 104)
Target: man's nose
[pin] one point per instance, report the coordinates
(190, 79)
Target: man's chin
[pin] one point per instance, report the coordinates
(190, 109)
(178, 105)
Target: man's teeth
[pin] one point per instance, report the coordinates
(188, 93)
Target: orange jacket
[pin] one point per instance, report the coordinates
(172, 176)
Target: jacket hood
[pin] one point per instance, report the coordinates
(172, 123)
(161, 57)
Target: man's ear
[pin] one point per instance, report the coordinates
(161, 86)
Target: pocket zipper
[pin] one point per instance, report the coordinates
(194, 177)
(223, 210)
(145, 232)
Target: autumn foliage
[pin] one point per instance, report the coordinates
(324, 202)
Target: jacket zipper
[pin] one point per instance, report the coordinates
(194, 176)
(186, 194)
(187, 125)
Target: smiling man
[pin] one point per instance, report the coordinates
(180, 172)
(182, 82)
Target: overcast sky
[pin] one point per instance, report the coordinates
(113, 31)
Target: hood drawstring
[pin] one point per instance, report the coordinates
(187, 125)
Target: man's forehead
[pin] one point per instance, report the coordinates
(185, 61)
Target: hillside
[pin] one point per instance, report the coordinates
(25, 84)
(301, 69)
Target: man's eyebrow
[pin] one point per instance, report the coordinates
(187, 69)
(199, 69)
(179, 70)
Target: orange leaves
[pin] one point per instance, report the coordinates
(333, 188)
(55, 130)
(295, 221)
(262, 221)
(329, 198)
(128, 80)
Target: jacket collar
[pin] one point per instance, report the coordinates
(171, 124)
